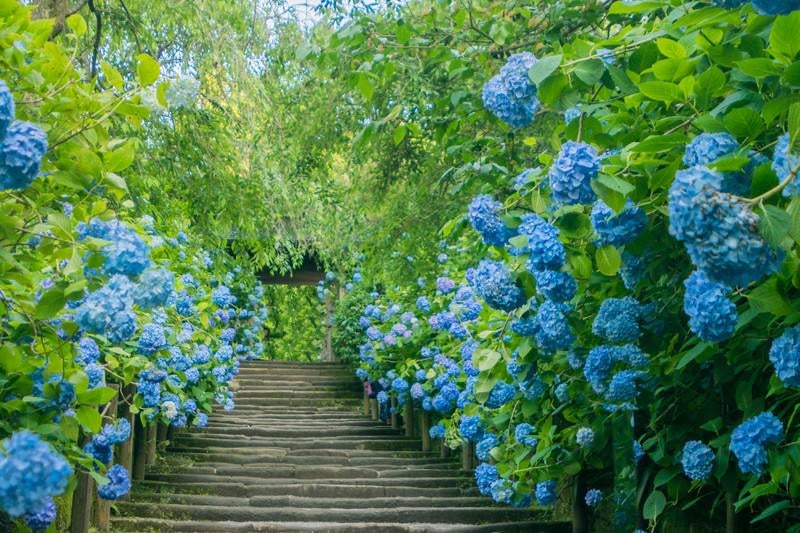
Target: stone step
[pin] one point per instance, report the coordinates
(432, 482)
(268, 394)
(300, 452)
(310, 503)
(142, 525)
(243, 441)
(264, 459)
(229, 419)
(378, 515)
(320, 472)
(310, 490)
(303, 432)
(257, 403)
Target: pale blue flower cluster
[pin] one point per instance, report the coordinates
(108, 310)
(555, 285)
(546, 251)
(483, 214)
(784, 354)
(697, 460)
(523, 433)
(501, 394)
(572, 173)
(155, 288)
(553, 332)
(618, 320)
(119, 484)
(510, 95)
(593, 497)
(784, 162)
(437, 431)
(41, 519)
(584, 437)
(22, 146)
(749, 439)
(546, 493)
(31, 473)
(712, 316)
(719, 230)
(617, 229)
(493, 282)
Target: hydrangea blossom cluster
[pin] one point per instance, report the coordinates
(510, 95)
(555, 286)
(697, 460)
(749, 440)
(501, 394)
(524, 434)
(546, 493)
(31, 473)
(784, 354)
(712, 316)
(617, 229)
(493, 282)
(786, 161)
(553, 332)
(119, 484)
(585, 437)
(485, 476)
(546, 251)
(719, 230)
(22, 146)
(617, 320)
(571, 175)
(593, 497)
(41, 519)
(128, 254)
(483, 214)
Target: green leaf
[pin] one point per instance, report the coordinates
(771, 510)
(147, 69)
(77, 24)
(50, 304)
(662, 91)
(121, 157)
(766, 298)
(759, 67)
(660, 143)
(616, 184)
(793, 122)
(774, 224)
(89, 418)
(626, 7)
(654, 505)
(543, 68)
(608, 260)
(589, 71)
(112, 75)
(692, 354)
(784, 39)
(744, 122)
(484, 360)
(365, 86)
(670, 48)
(399, 134)
(97, 396)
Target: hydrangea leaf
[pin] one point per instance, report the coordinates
(654, 505)
(543, 68)
(783, 39)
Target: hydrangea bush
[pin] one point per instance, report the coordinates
(638, 292)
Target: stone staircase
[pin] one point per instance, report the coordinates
(297, 455)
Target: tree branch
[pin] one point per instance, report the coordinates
(98, 30)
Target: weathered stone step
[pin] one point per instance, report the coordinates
(292, 394)
(321, 472)
(303, 432)
(264, 459)
(434, 482)
(300, 452)
(147, 525)
(258, 403)
(306, 443)
(311, 490)
(310, 503)
(378, 515)
(272, 421)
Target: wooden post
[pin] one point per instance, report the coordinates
(373, 405)
(366, 400)
(424, 431)
(161, 434)
(327, 347)
(139, 450)
(443, 450)
(580, 514)
(82, 501)
(393, 412)
(408, 418)
(103, 515)
(152, 442)
(466, 457)
(125, 450)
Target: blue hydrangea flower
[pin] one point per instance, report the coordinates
(127, 254)
(598, 365)
(617, 320)
(416, 391)
(96, 375)
(523, 433)
(632, 270)
(638, 451)
(719, 230)
(554, 285)
(223, 297)
(423, 304)
(776, 7)
(749, 439)
(572, 113)
(522, 179)
(21, 152)
(382, 397)
(784, 162)
(584, 437)
(88, 351)
(708, 147)
(623, 387)
(119, 484)
(617, 229)
(606, 56)
(152, 339)
(510, 95)
(469, 427)
(485, 476)
(155, 288)
(593, 497)
(7, 110)
(31, 473)
(117, 432)
(712, 316)
(502, 491)
(487, 443)
(784, 354)
(553, 332)
(444, 285)
(524, 326)
(483, 214)
(546, 493)
(697, 460)
(40, 520)
(501, 394)
(437, 431)
(493, 282)
(546, 251)
(572, 172)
